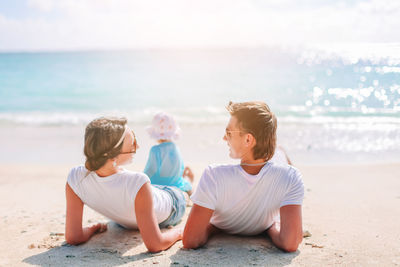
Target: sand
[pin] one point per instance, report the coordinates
(351, 211)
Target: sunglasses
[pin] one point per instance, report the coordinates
(228, 133)
(134, 145)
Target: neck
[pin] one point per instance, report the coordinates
(252, 166)
(107, 170)
(163, 141)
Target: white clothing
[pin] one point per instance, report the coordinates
(114, 196)
(244, 203)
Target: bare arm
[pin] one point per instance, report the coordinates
(187, 172)
(74, 233)
(154, 240)
(290, 234)
(198, 228)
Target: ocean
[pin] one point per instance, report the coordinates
(332, 106)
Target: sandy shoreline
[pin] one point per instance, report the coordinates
(199, 143)
(351, 211)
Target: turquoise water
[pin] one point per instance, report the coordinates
(324, 103)
(138, 80)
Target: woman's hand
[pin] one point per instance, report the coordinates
(178, 232)
(88, 232)
(99, 228)
(187, 172)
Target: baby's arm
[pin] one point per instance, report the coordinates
(75, 234)
(187, 172)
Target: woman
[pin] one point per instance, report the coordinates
(126, 197)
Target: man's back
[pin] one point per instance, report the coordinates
(248, 204)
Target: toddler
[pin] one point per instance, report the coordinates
(165, 165)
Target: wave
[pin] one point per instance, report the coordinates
(208, 115)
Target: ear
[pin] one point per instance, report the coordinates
(250, 140)
(112, 160)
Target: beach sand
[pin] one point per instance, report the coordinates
(351, 211)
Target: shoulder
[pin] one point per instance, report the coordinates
(132, 175)
(134, 179)
(219, 171)
(78, 170)
(296, 178)
(163, 146)
(76, 173)
(223, 167)
(294, 173)
(282, 168)
(284, 172)
(75, 176)
(155, 148)
(168, 146)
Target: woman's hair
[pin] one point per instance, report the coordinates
(101, 135)
(257, 119)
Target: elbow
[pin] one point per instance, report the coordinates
(154, 249)
(290, 248)
(189, 243)
(292, 245)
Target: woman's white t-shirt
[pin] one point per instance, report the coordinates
(114, 196)
(244, 203)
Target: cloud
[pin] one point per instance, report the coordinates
(98, 24)
(41, 5)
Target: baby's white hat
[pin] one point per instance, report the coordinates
(163, 126)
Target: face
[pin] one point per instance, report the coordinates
(129, 147)
(236, 139)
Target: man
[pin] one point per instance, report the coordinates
(254, 196)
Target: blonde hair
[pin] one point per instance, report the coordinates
(101, 137)
(257, 119)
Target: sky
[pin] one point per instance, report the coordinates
(36, 25)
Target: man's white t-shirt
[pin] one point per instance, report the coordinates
(114, 196)
(244, 203)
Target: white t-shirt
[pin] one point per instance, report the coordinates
(114, 196)
(244, 203)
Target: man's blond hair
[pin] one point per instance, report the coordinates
(257, 119)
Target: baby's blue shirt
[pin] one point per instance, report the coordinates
(165, 166)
